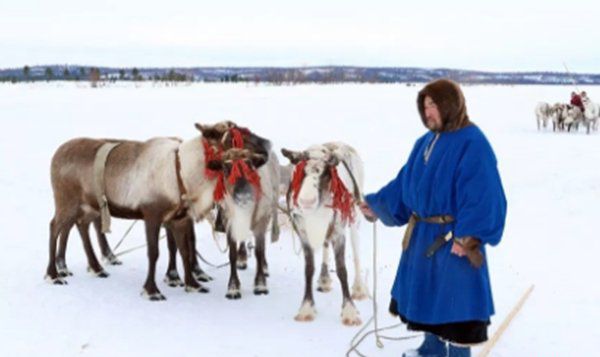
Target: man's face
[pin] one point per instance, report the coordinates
(432, 114)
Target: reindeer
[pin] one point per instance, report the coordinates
(249, 203)
(543, 113)
(161, 181)
(591, 114)
(322, 208)
(572, 116)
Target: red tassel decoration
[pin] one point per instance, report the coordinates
(210, 155)
(239, 169)
(219, 192)
(253, 177)
(342, 199)
(297, 179)
(237, 140)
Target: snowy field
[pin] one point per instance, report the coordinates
(552, 182)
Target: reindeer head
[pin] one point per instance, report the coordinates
(240, 177)
(315, 181)
(232, 155)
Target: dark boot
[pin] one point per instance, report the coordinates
(456, 351)
(432, 346)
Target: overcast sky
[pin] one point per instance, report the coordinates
(483, 35)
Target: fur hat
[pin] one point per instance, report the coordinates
(450, 101)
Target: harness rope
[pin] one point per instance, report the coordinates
(126, 251)
(294, 228)
(354, 343)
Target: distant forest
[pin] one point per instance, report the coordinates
(287, 75)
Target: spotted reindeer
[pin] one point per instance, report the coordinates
(322, 207)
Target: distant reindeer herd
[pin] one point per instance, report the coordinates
(171, 183)
(567, 117)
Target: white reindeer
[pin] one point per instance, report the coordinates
(323, 207)
(591, 114)
(543, 113)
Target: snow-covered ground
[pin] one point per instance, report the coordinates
(551, 240)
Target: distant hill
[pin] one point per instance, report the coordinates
(324, 74)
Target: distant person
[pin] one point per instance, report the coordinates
(451, 196)
(576, 100)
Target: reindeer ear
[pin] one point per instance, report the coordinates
(294, 156)
(215, 165)
(258, 160)
(199, 127)
(209, 131)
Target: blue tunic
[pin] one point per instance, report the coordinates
(461, 179)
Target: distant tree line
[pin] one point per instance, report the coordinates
(98, 76)
(94, 75)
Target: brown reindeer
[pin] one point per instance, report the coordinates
(161, 181)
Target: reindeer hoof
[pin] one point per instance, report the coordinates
(99, 274)
(55, 281)
(173, 281)
(304, 318)
(350, 315)
(203, 277)
(64, 272)
(242, 265)
(352, 321)
(261, 290)
(112, 259)
(306, 313)
(359, 292)
(233, 294)
(157, 296)
(196, 289)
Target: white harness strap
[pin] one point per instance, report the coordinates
(99, 185)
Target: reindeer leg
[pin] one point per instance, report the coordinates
(275, 231)
(233, 287)
(324, 283)
(61, 261)
(93, 265)
(172, 276)
(107, 253)
(57, 225)
(260, 281)
(181, 232)
(359, 288)
(242, 257)
(151, 291)
(349, 312)
(198, 273)
(307, 310)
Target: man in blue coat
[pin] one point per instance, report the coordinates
(450, 195)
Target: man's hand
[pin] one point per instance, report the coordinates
(367, 212)
(457, 249)
(468, 247)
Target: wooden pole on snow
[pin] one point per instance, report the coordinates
(490, 344)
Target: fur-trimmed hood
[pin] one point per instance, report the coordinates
(450, 101)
